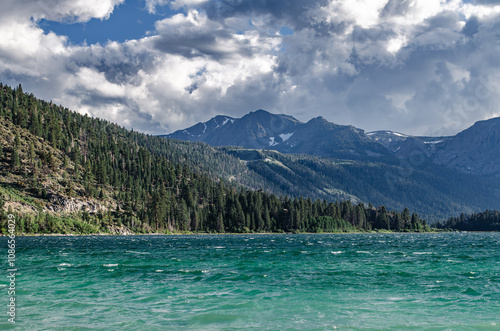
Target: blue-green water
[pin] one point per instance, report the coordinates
(258, 282)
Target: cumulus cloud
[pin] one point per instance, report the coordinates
(58, 10)
(414, 66)
(195, 35)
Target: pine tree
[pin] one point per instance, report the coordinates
(16, 160)
(406, 218)
(399, 222)
(220, 223)
(32, 154)
(17, 141)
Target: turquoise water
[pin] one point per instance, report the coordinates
(258, 282)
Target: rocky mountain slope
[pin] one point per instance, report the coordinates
(475, 150)
(283, 133)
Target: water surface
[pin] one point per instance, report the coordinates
(444, 281)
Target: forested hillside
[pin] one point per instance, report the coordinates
(66, 172)
(433, 191)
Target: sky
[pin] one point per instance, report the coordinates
(421, 67)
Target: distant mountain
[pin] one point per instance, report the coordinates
(202, 131)
(402, 144)
(475, 150)
(391, 140)
(258, 129)
(283, 133)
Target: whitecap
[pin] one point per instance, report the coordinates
(337, 252)
(65, 265)
(110, 265)
(396, 299)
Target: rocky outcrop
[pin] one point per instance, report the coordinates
(19, 207)
(58, 203)
(122, 230)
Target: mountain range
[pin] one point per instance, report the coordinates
(263, 130)
(436, 176)
(475, 150)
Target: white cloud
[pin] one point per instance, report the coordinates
(25, 48)
(152, 4)
(175, 4)
(58, 10)
(407, 65)
(395, 44)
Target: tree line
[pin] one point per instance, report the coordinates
(489, 220)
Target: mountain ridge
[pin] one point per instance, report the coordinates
(473, 150)
(263, 130)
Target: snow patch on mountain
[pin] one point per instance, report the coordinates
(286, 136)
(272, 142)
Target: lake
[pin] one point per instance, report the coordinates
(433, 281)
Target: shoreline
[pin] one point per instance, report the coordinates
(226, 234)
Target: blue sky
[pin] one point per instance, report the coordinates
(419, 67)
(130, 20)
